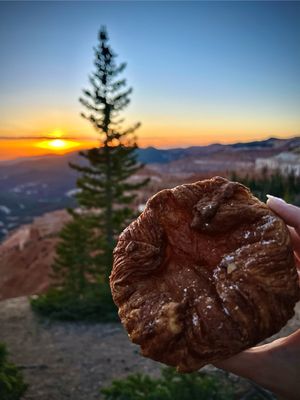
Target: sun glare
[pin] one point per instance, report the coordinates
(57, 133)
(57, 144)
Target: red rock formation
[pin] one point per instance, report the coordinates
(27, 254)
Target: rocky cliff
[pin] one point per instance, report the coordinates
(26, 256)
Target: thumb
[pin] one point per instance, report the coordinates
(288, 212)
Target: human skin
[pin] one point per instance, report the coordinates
(274, 366)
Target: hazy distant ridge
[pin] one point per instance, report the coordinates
(33, 186)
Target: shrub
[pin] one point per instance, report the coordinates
(12, 386)
(171, 386)
(95, 304)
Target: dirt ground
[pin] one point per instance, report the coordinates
(66, 360)
(71, 360)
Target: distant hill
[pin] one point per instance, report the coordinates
(31, 187)
(284, 144)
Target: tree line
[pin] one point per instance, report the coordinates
(274, 182)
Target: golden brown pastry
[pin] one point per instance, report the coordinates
(206, 271)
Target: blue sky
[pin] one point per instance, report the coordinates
(219, 70)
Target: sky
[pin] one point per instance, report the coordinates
(202, 72)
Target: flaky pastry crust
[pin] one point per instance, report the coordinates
(206, 271)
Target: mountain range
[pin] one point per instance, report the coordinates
(31, 187)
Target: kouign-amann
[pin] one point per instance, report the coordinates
(206, 271)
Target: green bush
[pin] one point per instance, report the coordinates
(171, 386)
(95, 304)
(12, 386)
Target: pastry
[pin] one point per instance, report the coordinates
(206, 271)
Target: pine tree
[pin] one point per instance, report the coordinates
(73, 267)
(12, 386)
(106, 191)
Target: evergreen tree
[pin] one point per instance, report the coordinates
(106, 191)
(274, 182)
(84, 253)
(12, 386)
(73, 268)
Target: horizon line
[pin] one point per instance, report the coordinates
(147, 147)
(83, 139)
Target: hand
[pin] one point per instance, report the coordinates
(274, 366)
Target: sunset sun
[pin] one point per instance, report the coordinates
(57, 144)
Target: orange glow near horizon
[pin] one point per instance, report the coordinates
(60, 145)
(18, 148)
(57, 133)
(61, 131)
(157, 133)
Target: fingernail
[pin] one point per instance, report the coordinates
(269, 196)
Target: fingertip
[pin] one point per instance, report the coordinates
(276, 204)
(288, 212)
(274, 199)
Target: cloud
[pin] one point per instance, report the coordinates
(45, 137)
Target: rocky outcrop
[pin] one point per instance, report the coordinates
(27, 254)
